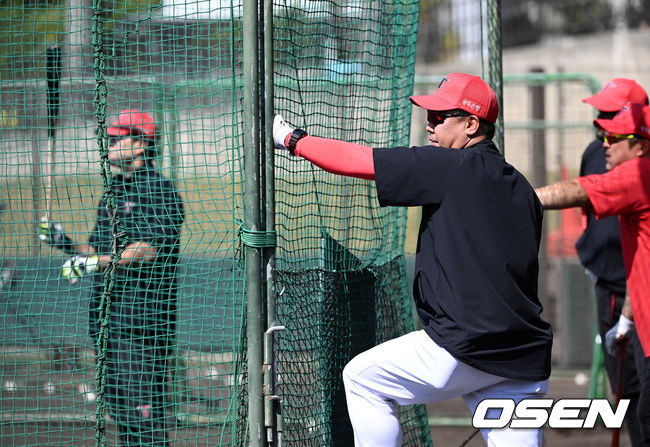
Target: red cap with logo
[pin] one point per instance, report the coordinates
(131, 120)
(632, 119)
(616, 93)
(462, 91)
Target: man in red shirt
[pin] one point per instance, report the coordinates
(624, 191)
(599, 249)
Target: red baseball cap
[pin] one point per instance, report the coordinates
(632, 119)
(616, 93)
(462, 91)
(129, 120)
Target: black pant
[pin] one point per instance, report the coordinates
(608, 306)
(643, 408)
(136, 379)
(135, 391)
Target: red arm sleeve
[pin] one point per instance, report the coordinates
(338, 157)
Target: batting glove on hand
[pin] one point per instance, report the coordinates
(280, 131)
(619, 332)
(52, 233)
(78, 266)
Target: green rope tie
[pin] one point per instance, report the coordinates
(258, 239)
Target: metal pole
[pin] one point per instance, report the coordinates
(538, 134)
(254, 310)
(272, 402)
(495, 64)
(269, 151)
(538, 177)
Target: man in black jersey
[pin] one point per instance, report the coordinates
(142, 318)
(476, 269)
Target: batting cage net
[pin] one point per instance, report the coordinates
(124, 284)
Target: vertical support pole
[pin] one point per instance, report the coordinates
(269, 213)
(167, 117)
(269, 151)
(562, 173)
(172, 136)
(254, 310)
(538, 174)
(495, 65)
(272, 413)
(538, 134)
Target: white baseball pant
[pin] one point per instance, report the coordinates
(413, 369)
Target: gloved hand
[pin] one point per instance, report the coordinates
(280, 131)
(619, 332)
(52, 233)
(78, 266)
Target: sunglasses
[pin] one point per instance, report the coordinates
(435, 117)
(113, 140)
(611, 138)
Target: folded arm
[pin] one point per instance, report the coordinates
(138, 252)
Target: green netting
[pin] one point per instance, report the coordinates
(158, 350)
(339, 256)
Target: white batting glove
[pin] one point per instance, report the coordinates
(619, 332)
(280, 131)
(78, 266)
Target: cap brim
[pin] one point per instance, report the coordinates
(603, 104)
(613, 126)
(432, 102)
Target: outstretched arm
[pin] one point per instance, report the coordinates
(564, 194)
(335, 156)
(338, 157)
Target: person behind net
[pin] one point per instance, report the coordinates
(141, 324)
(623, 191)
(599, 250)
(476, 271)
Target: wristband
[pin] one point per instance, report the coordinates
(296, 136)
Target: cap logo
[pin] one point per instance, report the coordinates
(471, 105)
(608, 85)
(443, 81)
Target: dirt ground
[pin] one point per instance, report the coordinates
(563, 385)
(449, 421)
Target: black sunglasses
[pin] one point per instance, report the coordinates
(435, 117)
(115, 139)
(606, 115)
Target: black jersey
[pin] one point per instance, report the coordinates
(476, 269)
(150, 210)
(599, 247)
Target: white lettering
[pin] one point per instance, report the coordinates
(610, 418)
(566, 413)
(534, 413)
(481, 420)
(531, 413)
